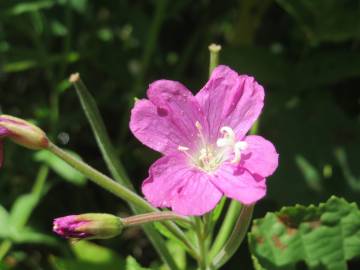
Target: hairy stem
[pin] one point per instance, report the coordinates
(152, 217)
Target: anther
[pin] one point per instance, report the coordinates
(198, 125)
(183, 148)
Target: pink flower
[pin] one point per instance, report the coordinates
(203, 139)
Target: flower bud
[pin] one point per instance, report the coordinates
(22, 132)
(89, 226)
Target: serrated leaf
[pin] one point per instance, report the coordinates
(322, 237)
(61, 167)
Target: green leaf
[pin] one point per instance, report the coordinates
(28, 235)
(30, 6)
(5, 228)
(19, 65)
(131, 264)
(90, 256)
(256, 263)
(89, 252)
(22, 209)
(322, 237)
(61, 167)
(107, 149)
(218, 210)
(324, 20)
(178, 252)
(311, 174)
(165, 232)
(58, 28)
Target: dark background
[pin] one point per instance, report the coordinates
(305, 53)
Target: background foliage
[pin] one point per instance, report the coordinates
(306, 53)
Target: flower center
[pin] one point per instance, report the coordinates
(209, 156)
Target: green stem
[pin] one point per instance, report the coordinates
(101, 179)
(226, 228)
(38, 186)
(119, 190)
(102, 138)
(236, 237)
(199, 228)
(214, 57)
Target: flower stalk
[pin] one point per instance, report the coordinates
(101, 179)
(152, 217)
(119, 190)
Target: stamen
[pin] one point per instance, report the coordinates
(228, 139)
(202, 138)
(228, 132)
(184, 149)
(238, 148)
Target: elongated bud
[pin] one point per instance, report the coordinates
(89, 226)
(22, 132)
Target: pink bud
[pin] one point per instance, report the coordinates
(90, 226)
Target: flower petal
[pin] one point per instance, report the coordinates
(184, 110)
(174, 183)
(198, 196)
(260, 157)
(151, 126)
(168, 119)
(230, 100)
(239, 184)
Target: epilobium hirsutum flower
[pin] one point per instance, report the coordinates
(90, 226)
(203, 139)
(21, 132)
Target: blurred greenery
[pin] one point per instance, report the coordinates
(306, 54)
